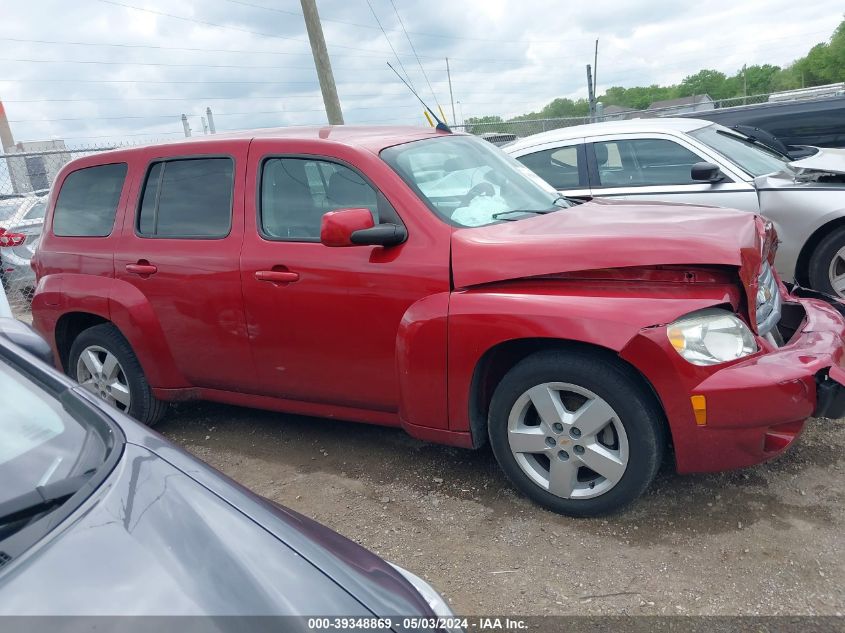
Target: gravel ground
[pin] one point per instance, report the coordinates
(764, 541)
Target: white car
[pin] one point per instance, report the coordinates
(699, 162)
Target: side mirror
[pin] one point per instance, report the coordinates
(337, 227)
(355, 227)
(706, 172)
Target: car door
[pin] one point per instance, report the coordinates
(658, 167)
(563, 165)
(179, 247)
(324, 321)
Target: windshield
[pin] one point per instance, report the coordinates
(467, 181)
(756, 160)
(40, 444)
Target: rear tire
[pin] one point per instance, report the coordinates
(826, 269)
(594, 409)
(110, 370)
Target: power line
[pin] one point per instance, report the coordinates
(401, 65)
(414, 50)
(225, 26)
(373, 55)
(216, 114)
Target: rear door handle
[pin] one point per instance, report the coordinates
(141, 269)
(277, 276)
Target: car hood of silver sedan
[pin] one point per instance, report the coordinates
(825, 161)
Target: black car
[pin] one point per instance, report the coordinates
(99, 515)
(815, 122)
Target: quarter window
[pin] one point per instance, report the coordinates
(87, 202)
(558, 166)
(297, 192)
(189, 198)
(644, 162)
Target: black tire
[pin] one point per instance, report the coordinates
(638, 411)
(821, 259)
(144, 407)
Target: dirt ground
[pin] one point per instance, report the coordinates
(764, 541)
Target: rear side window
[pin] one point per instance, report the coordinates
(188, 198)
(87, 202)
(558, 166)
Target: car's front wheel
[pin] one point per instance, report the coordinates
(827, 265)
(102, 361)
(577, 432)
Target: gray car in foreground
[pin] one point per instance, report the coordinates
(101, 516)
(699, 162)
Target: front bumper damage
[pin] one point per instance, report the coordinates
(756, 407)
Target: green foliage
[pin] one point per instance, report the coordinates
(823, 64)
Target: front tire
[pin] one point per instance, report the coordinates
(827, 265)
(577, 432)
(102, 361)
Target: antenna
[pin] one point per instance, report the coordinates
(440, 125)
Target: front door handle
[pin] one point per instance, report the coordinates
(141, 268)
(277, 276)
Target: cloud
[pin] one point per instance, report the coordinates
(131, 73)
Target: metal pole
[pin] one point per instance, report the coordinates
(596, 69)
(210, 117)
(744, 84)
(591, 95)
(186, 126)
(451, 96)
(322, 62)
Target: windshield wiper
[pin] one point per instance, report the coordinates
(740, 136)
(498, 216)
(42, 498)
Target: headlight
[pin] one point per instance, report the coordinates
(435, 600)
(711, 337)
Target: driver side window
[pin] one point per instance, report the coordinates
(296, 192)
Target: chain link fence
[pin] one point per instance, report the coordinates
(25, 179)
(505, 131)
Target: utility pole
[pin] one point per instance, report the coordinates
(322, 62)
(210, 118)
(596, 71)
(451, 96)
(186, 126)
(591, 95)
(744, 84)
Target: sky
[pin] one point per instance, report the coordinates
(95, 72)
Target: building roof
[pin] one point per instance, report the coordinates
(683, 101)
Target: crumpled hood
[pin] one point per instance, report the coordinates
(608, 234)
(827, 160)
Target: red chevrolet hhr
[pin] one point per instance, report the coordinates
(420, 279)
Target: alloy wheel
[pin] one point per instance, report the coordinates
(99, 371)
(836, 272)
(568, 440)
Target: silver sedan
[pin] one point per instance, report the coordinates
(699, 162)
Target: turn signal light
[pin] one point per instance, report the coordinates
(699, 407)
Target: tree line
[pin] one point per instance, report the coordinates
(823, 64)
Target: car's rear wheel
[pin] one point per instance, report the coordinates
(827, 265)
(577, 432)
(102, 361)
